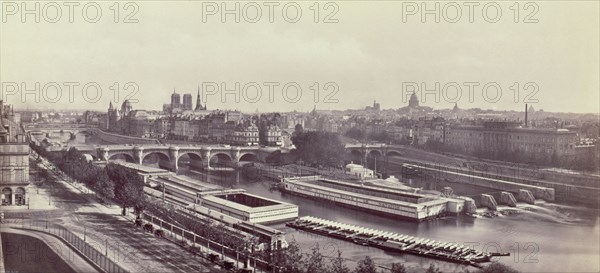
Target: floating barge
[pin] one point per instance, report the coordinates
(390, 241)
(375, 198)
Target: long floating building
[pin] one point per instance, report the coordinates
(373, 198)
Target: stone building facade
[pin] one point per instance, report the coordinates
(14, 160)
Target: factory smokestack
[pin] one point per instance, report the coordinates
(526, 115)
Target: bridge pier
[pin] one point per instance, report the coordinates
(526, 196)
(173, 156)
(206, 155)
(489, 202)
(470, 206)
(508, 199)
(235, 156)
(103, 153)
(138, 154)
(544, 193)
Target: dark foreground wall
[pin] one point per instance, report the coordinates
(27, 254)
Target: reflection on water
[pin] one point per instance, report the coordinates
(540, 237)
(65, 138)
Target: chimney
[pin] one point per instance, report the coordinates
(526, 115)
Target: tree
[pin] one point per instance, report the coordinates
(129, 187)
(289, 260)
(338, 265)
(298, 129)
(382, 136)
(398, 268)
(355, 133)
(496, 267)
(322, 148)
(433, 269)
(315, 261)
(103, 185)
(366, 265)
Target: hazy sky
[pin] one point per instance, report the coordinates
(369, 54)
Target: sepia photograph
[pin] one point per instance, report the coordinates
(300, 136)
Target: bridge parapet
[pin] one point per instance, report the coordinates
(200, 155)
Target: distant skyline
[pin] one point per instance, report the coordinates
(368, 54)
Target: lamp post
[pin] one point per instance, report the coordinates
(385, 151)
(222, 241)
(208, 229)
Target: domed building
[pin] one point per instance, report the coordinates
(126, 108)
(14, 160)
(118, 119)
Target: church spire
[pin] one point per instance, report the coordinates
(199, 102)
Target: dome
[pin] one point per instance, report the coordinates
(126, 105)
(125, 108)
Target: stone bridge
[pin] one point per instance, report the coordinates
(169, 156)
(375, 150)
(51, 133)
(48, 129)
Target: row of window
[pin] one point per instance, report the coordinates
(253, 217)
(359, 201)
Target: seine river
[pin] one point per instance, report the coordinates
(544, 237)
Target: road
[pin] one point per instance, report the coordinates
(105, 229)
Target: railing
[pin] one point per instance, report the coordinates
(194, 241)
(99, 259)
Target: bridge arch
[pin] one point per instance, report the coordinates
(393, 153)
(375, 153)
(220, 159)
(191, 159)
(161, 155)
(248, 156)
(157, 159)
(356, 155)
(355, 152)
(122, 156)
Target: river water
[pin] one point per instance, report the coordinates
(64, 138)
(544, 237)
